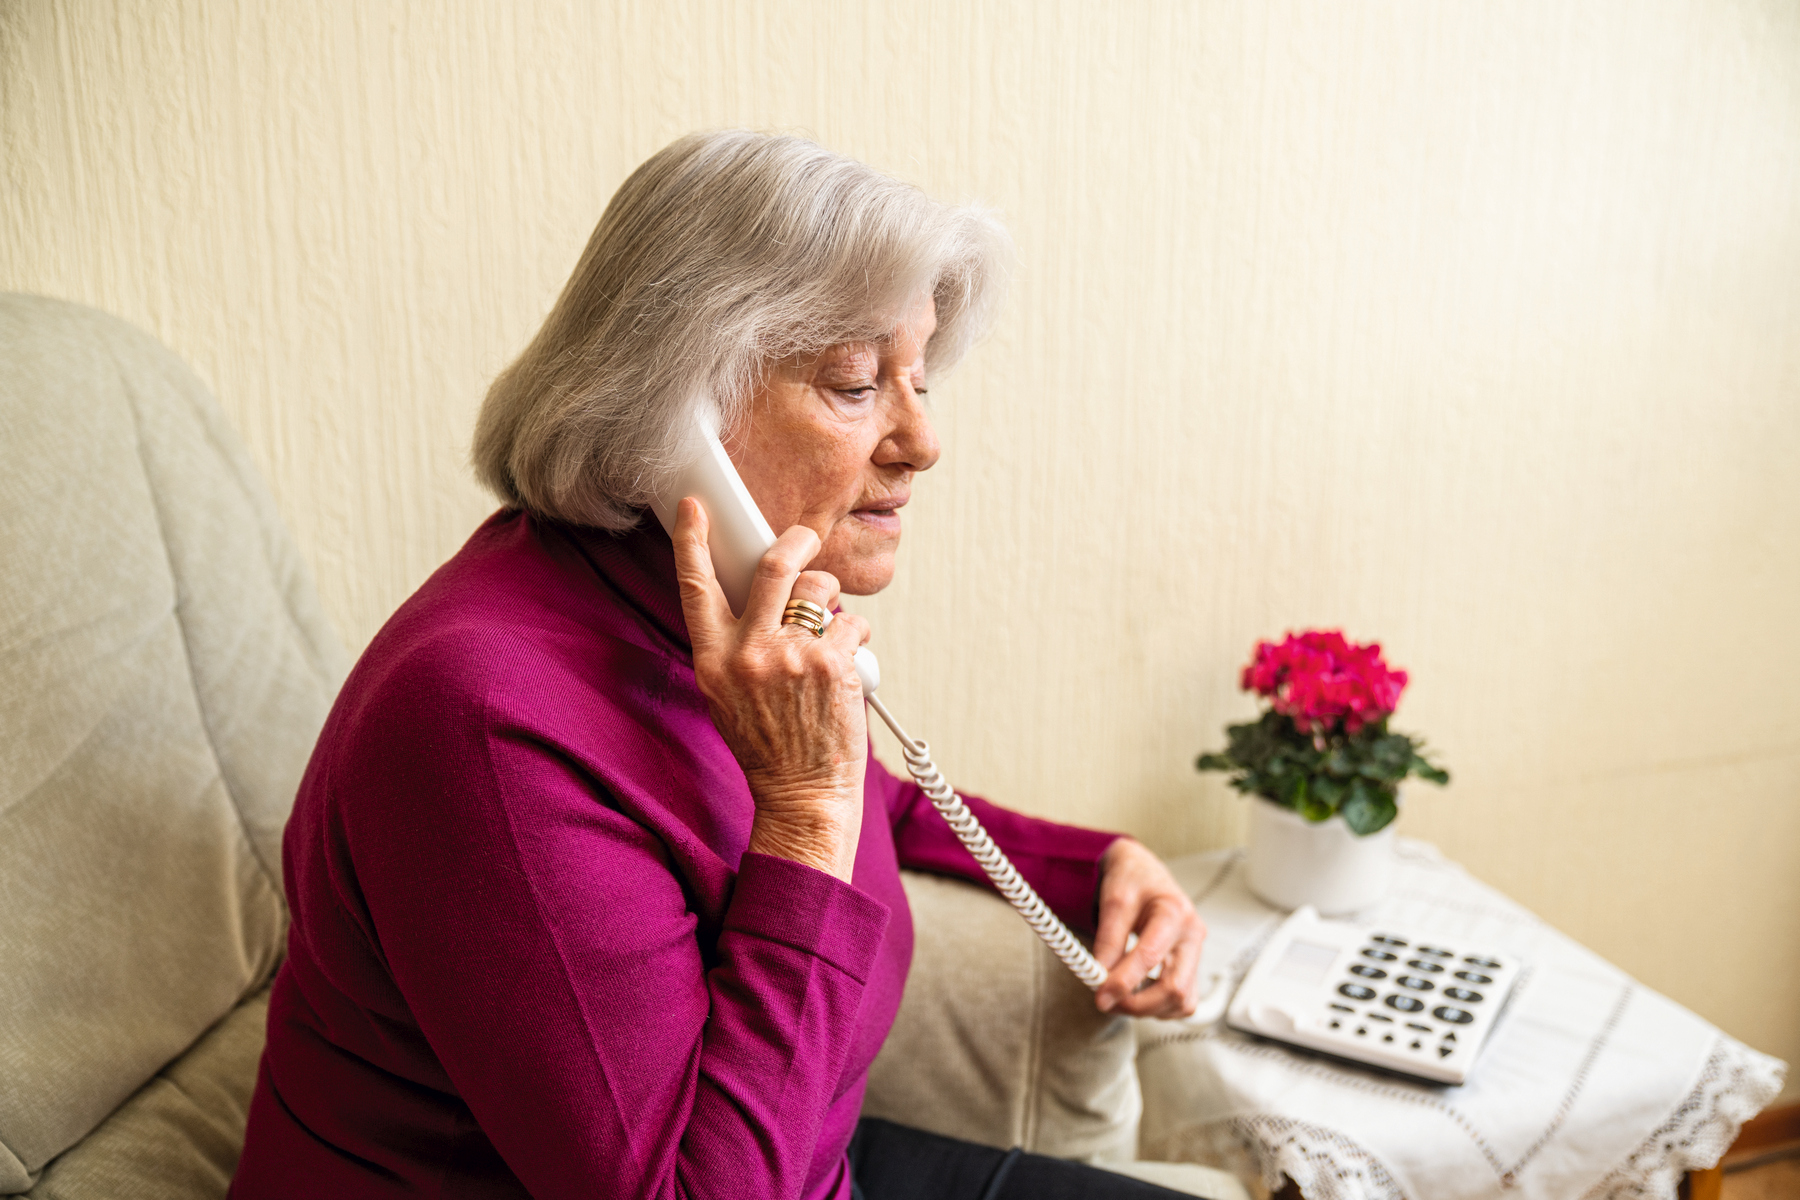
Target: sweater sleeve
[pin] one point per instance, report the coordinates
(549, 956)
(1061, 861)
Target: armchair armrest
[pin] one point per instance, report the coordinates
(996, 1042)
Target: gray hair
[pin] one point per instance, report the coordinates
(722, 254)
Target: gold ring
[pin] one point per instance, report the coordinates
(807, 615)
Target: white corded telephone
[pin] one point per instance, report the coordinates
(738, 537)
(1400, 999)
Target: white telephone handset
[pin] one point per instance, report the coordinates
(739, 536)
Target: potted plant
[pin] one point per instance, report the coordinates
(1324, 769)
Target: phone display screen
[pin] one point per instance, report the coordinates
(1306, 962)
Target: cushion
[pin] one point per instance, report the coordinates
(179, 1136)
(164, 670)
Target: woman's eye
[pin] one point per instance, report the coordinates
(865, 392)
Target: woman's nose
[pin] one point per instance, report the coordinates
(912, 442)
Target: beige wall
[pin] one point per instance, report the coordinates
(1475, 329)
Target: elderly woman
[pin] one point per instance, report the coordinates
(595, 884)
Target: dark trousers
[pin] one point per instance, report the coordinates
(892, 1162)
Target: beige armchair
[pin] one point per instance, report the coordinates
(164, 669)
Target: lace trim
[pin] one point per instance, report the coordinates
(1735, 1085)
(1323, 1164)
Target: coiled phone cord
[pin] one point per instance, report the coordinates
(999, 868)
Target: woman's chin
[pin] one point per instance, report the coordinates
(866, 578)
(859, 575)
(863, 564)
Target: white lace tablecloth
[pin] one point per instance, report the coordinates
(1591, 1086)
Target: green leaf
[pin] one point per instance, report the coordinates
(1328, 791)
(1431, 774)
(1368, 810)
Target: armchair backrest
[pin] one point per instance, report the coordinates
(164, 670)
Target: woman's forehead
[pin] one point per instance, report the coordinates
(869, 354)
(907, 339)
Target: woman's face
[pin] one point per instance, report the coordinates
(833, 442)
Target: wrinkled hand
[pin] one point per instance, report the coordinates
(787, 703)
(1138, 895)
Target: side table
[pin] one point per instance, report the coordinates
(1591, 1085)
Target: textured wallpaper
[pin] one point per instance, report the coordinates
(1474, 329)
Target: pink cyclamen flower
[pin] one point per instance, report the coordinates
(1320, 679)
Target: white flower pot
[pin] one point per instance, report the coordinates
(1293, 861)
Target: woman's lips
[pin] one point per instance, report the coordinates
(882, 514)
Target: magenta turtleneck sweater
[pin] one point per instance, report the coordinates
(529, 953)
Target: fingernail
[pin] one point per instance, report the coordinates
(1106, 1003)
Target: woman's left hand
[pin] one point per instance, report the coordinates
(1138, 895)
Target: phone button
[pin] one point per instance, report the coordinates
(1485, 964)
(1355, 991)
(1387, 939)
(1426, 965)
(1414, 983)
(1402, 1003)
(1463, 994)
(1378, 955)
(1455, 1016)
(1473, 977)
(1368, 972)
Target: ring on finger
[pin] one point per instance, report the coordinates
(809, 616)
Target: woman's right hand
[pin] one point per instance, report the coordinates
(788, 704)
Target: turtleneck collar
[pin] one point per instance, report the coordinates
(638, 565)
